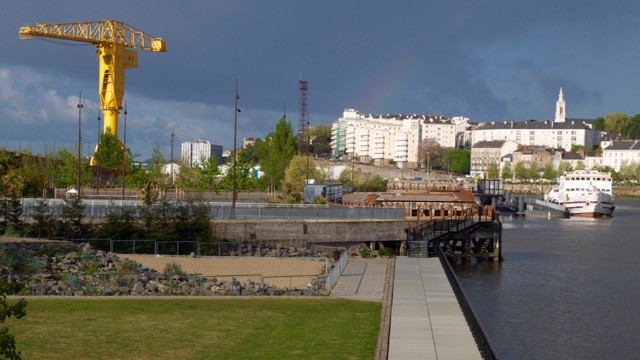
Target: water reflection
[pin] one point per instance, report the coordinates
(567, 288)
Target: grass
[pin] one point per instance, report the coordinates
(256, 328)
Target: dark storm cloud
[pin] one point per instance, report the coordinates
(487, 60)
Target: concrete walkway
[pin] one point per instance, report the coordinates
(362, 279)
(426, 320)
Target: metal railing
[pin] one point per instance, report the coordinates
(422, 240)
(100, 209)
(484, 346)
(333, 276)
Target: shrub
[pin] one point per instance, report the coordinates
(128, 266)
(318, 200)
(385, 252)
(173, 268)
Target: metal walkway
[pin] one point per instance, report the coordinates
(426, 320)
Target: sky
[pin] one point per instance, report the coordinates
(485, 60)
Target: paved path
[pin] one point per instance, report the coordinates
(362, 279)
(426, 320)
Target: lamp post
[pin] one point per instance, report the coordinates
(235, 155)
(124, 149)
(80, 106)
(172, 179)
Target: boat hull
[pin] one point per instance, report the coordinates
(603, 206)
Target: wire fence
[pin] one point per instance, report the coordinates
(96, 209)
(117, 281)
(298, 249)
(149, 284)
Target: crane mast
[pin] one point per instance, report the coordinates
(112, 40)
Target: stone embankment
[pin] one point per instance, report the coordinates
(36, 269)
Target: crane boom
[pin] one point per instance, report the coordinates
(97, 32)
(112, 40)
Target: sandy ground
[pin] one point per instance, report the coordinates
(275, 271)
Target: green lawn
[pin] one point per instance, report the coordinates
(262, 328)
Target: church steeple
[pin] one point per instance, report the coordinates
(561, 107)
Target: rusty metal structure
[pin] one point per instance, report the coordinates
(303, 119)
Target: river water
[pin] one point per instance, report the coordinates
(566, 289)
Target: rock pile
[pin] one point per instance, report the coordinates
(81, 270)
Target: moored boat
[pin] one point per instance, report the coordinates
(584, 193)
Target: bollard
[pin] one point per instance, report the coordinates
(521, 204)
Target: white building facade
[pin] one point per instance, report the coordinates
(621, 152)
(389, 137)
(191, 152)
(561, 133)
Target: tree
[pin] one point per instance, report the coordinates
(109, 154)
(615, 122)
(493, 170)
(320, 136)
(550, 172)
(7, 341)
(564, 167)
(153, 183)
(534, 171)
(576, 148)
(206, 175)
(67, 171)
(580, 165)
(20, 174)
(244, 176)
(598, 124)
(120, 224)
(185, 177)
(73, 213)
(632, 130)
(276, 151)
(348, 177)
(375, 183)
(520, 170)
(41, 214)
(507, 172)
(459, 160)
(295, 178)
(431, 152)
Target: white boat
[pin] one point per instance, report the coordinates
(584, 193)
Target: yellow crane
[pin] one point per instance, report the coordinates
(112, 40)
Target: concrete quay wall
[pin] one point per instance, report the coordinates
(336, 232)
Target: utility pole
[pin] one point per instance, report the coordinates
(428, 165)
(124, 149)
(80, 106)
(172, 137)
(235, 156)
(284, 143)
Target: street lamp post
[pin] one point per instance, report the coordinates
(80, 106)
(235, 155)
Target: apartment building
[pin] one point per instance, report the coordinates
(484, 153)
(621, 152)
(191, 152)
(390, 137)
